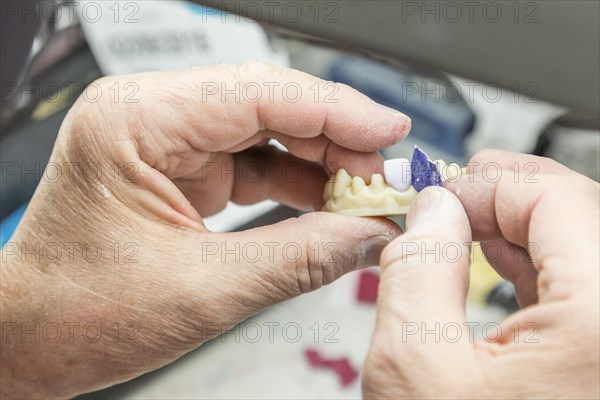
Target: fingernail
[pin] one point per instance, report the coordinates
(371, 249)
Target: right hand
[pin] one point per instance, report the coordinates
(551, 223)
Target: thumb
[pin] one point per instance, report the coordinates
(424, 282)
(302, 254)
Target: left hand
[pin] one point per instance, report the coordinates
(141, 280)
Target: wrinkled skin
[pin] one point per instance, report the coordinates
(542, 234)
(164, 290)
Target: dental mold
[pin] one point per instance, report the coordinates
(351, 196)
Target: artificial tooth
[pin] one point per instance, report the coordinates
(424, 171)
(342, 182)
(357, 184)
(397, 173)
(377, 183)
(448, 171)
(453, 171)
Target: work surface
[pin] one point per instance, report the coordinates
(266, 356)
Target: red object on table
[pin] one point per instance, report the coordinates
(368, 283)
(341, 366)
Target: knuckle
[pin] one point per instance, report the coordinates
(548, 160)
(298, 264)
(484, 155)
(84, 137)
(87, 104)
(312, 260)
(95, 92)
(77, 132)
(319, 263)
(252, 70)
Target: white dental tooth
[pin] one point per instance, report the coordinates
(377, 183)
(397, 173)
(357, 184)
(343, 180)
(453, 171)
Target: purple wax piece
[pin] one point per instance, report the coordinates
(424, 171)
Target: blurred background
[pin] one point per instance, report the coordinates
(519, 76)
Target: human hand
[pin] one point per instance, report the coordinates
(540, 233)
(163, 284)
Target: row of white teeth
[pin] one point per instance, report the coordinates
(353, 197)
(343, 181)
(393, 195)
(397, 175)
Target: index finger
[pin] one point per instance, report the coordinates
(556, 217)
(307, 106)
(220, 107)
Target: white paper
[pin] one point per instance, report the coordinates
(135, 36)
